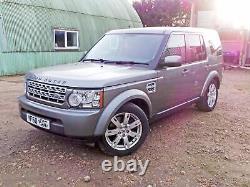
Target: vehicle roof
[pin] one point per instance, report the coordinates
(159, 30)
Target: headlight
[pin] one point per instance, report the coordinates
(75, 100)
(86, 99)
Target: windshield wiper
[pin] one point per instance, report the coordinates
(124, 62)
(94, 60)
(114, 62)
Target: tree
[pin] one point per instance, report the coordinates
(164, 12)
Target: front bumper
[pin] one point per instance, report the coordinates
(65, 122)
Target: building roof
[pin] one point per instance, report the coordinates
(119, 9)
(159, 30)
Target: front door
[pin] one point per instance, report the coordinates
(174, 85)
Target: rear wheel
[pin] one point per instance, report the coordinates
(208, 102)
(126, 131)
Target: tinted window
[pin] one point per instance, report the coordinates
(176, 46)
(203, 49)
(59, 39)
(72, 39)
(214, 43)
(196, 49)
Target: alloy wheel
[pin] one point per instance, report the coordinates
(124, 131)
(212, 95)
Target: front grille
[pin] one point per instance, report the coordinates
(46, 92)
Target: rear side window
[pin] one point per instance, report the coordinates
(215, 44)
(196, 48)
(176, 46)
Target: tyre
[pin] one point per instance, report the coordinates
(126, 131)
(208, 102)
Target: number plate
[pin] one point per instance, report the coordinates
(39, 122)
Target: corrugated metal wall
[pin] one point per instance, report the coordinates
(26, 37)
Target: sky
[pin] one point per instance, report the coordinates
(234, 13)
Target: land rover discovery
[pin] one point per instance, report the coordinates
(128, 79)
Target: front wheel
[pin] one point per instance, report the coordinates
(208, 102)
(126, 131)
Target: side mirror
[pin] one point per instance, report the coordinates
(172, 61)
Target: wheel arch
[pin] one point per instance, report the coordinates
(217, 81)
(134, 96)
(214, 75)
(143, 105)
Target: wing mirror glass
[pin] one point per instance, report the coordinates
(172, 61)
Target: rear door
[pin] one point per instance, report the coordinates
(197, 62)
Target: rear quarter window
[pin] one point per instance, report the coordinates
(196, 48)
(214, 42)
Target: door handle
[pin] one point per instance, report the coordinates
(185, 71)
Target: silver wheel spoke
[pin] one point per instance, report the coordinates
(117, 140)
(212, 95)
(210, 101)
(211, 88)
(126, 118)
(112, 132)
(134, 124)
(116, 122)
(126, 142)
(133, 134)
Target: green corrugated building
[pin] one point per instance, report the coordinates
(37, 33)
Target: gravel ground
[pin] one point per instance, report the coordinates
(189, 148)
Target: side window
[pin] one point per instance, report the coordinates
(196, 48)
(215, 44)
(211, 46)
(203, 49)
(176, 46)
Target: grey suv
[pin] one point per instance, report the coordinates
(128, 79)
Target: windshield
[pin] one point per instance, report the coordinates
(139, 48)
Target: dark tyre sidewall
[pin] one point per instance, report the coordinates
(130, 108)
